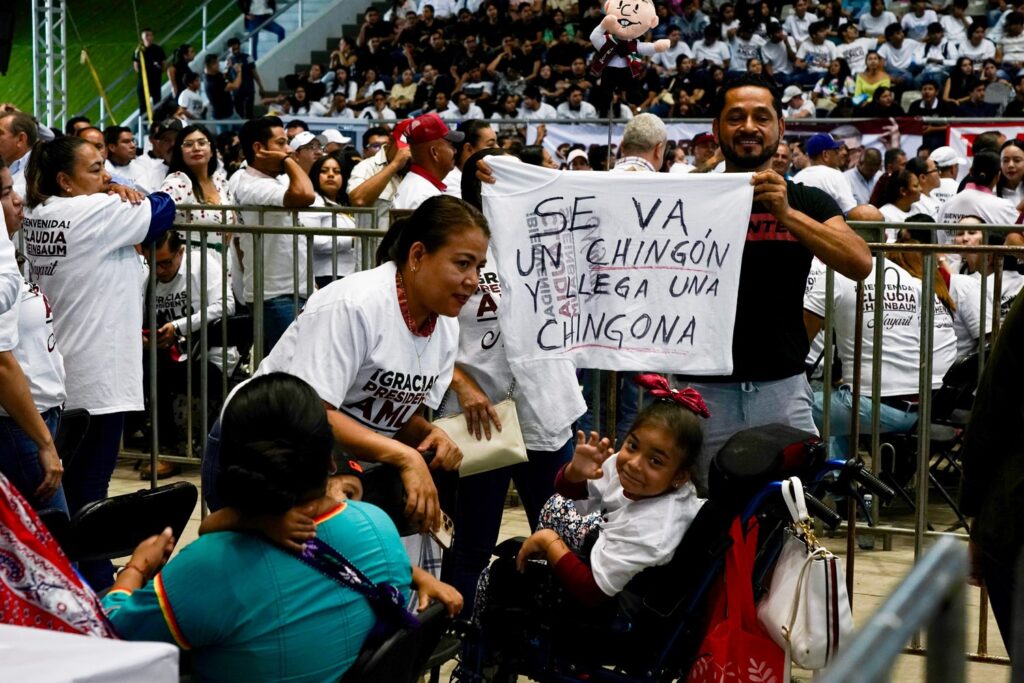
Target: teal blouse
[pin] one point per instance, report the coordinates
(250, 611)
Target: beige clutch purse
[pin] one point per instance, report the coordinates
(504, 448)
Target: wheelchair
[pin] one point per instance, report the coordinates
(651, 632)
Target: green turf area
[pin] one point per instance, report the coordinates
(108, 29)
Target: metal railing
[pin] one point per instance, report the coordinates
(206, 237)
(210, 15)
(202, 235)
(873, 232)
(931, 595)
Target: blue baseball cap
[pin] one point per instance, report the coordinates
(822, 142)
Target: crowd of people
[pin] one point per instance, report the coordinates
(833, 59)
(352, 378)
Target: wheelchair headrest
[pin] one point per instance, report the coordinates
(752, 458)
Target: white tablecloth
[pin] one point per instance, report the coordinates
(30, 655)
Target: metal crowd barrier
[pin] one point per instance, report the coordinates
(604, 391)
(874, 233)
(931, 595)
(198, 235)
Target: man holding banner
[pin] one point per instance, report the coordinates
(701, 274)
(789, 224)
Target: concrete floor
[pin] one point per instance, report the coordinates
(877, 572)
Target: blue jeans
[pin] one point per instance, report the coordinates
(278, 314)
(19, 461)
(627, 395)
(735, 406)
(906, 78)
(273, 27)
(841, 418)
(87, 478)
(806, 77)
(479, 509)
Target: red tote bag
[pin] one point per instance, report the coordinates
(736, 648)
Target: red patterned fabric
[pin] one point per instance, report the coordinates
(38, 586)
(403, 305)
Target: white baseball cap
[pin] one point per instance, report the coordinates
(944, 157)
(790, 92)
(304, 138)
(333, 135)
(577, 154)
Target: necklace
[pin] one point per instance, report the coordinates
(418, 332)
(419, 353)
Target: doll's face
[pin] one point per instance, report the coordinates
(635, 17)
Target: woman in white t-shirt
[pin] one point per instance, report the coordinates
(900, 349)
(328, 181)
(370, 85)
(1011, 171)
(31, 384)
(380, 345)
(894, 194)
(80, 238)
(970, 265)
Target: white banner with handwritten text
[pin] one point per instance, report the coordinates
(619, 271)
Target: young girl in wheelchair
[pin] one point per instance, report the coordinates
(613, 514)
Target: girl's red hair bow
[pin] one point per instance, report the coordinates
(657, 386)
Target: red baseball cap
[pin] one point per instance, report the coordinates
(399, 133)
(430, 127)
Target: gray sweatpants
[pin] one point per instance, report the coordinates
(735, 406)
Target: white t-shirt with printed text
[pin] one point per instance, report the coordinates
(26, 329)
(817, 57)
(351, 344)
(81, 251)
(901, 329)
(985, 205)
(173, 304)
(856, 53)
(482, 355)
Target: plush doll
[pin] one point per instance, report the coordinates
(619, 58)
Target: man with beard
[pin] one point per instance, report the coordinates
(789, 224)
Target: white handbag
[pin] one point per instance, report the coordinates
(806, 611)
(504, 448)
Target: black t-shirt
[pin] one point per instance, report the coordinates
(461, 30)
(769, 340)
(491, 35)
(527, 63)
(993, 451)
(1014, 109)
(220, 99)
(527, 30)
(442, 61)
(563, 54)
(153, 57)
(382, 29)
